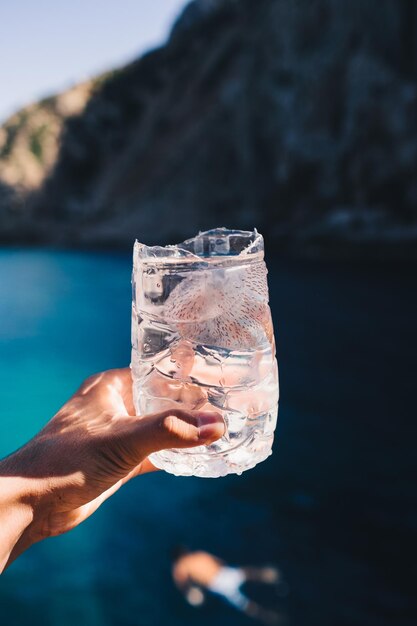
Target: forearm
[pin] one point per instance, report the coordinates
(19, 495)
(16, 516)
(90, 448)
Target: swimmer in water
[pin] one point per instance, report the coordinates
(196, 573)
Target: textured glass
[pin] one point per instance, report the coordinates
(202, 339)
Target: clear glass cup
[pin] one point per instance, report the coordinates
(202, 339)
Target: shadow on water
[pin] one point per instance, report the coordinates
(334, 506)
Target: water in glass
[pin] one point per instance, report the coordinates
(202, 339)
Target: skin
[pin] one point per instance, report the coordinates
(201, 568)
(88, 450)
(198, 568)
(194, 572)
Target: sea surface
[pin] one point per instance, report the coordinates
(334, 507)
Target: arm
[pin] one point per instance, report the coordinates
(92, 446)
(16, 515)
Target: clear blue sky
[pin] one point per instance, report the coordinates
(47, 45)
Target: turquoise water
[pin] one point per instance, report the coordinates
(334, 506)
(64, 316)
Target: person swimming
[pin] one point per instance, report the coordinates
(196, 573)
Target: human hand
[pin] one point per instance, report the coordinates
(92, 446)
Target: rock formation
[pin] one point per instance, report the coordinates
(295, 116)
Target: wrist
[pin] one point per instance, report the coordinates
(22, 500)
(16, 516)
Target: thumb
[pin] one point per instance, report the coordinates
(176, 428)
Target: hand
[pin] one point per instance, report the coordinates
(92, 446)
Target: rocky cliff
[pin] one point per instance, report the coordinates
(298, 117)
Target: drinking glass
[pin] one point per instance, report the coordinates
(202, 339)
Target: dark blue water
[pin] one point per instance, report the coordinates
(335, 505)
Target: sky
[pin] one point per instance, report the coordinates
(48, 45)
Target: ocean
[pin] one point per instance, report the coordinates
(334, 507)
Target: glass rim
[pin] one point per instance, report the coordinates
(217, 240)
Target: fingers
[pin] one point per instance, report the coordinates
(112, 388)
(146, 467)
(124, 386)
(120, 376)
(176, 429)
(90, 384)
(135, 437)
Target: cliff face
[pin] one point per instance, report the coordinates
(30, 141)
(295, 117)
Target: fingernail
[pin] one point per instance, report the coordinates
(210, 426)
